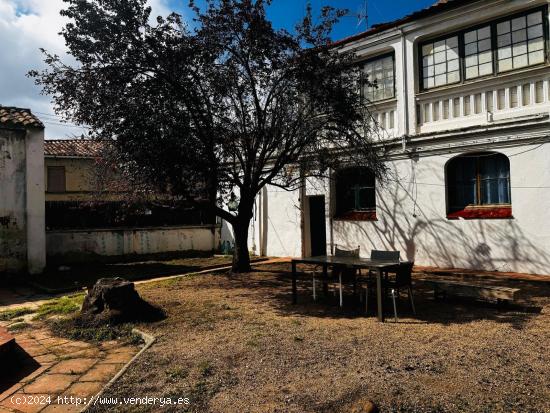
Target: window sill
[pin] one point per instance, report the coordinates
(482, 212)
(357, 216)
(474, 84)
(381, 103)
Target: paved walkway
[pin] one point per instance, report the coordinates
(54, 366)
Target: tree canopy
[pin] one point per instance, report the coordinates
(227, 107)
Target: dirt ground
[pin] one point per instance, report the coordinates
(237, 344)
(85, 275)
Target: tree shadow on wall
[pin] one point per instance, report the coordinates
(422, 230)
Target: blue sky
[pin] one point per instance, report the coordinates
(285, 13)
(27, 25)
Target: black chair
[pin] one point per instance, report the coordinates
(339, 275)
(369, 282)
(402, 280)
(385, 255)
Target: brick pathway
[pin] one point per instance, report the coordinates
(59, 367)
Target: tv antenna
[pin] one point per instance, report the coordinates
(362, 15)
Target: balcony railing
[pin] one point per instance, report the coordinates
(478, 105)
(384, 119)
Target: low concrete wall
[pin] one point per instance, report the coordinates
(131, 241)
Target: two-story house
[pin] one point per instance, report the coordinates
(463, 105)
(91, 212)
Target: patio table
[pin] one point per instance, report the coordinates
(378, 266)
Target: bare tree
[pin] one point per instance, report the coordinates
(217, 112)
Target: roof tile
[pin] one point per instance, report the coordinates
(18, 117)
(82, 148)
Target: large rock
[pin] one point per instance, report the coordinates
(115, 300)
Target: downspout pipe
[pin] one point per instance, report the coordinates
(405, 95)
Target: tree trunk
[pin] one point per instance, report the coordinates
(241, 257)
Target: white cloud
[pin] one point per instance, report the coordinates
(159, 8)
(25, 27)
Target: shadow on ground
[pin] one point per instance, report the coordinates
(77, 276)
(16, 365)
(274, 284)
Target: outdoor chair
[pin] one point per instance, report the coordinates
(383, 256)
(338, 274)
(369, 281)
(402, 280)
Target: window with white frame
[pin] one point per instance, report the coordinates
(380, 79)
(478, 55)
(520, 42)
(440, 62)
(500, 46)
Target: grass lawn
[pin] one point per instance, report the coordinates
(236, 344)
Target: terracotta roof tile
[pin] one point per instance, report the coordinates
(84, 148)
(18, 117)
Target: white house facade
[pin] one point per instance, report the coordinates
(463, 106)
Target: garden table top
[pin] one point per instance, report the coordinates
(378, 266)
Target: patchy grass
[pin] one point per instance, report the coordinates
(205, 368)
(241, 346)
(177, 373)
(18, 326)
(8, 315)
(200, 393)
(72, 328)
(60, 306)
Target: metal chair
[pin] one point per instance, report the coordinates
(403, 279)
(379, 255)
(385, 255)
(338, 274)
